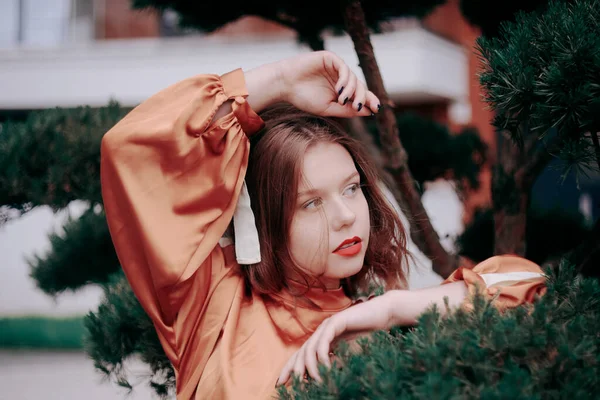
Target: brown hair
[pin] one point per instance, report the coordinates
(273, 175)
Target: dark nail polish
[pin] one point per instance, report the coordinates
(378, 107)
(345, 100)
(341, 90)
(372, 114)
(359, 106)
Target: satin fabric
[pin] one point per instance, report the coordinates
(171, 178)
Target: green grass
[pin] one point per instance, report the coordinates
(41, 332)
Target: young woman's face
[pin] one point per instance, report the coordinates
(331, 218)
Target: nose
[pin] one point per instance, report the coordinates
(343, 215)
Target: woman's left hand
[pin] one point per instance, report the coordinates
(371, 315)
(395, 307)
(314, 351)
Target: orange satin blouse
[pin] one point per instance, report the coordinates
(171, 178)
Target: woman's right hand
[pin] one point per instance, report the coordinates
(318, 82)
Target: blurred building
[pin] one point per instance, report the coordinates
(85, 52)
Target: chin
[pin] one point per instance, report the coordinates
(347, 269)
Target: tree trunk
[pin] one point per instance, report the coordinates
(394, 155)
(510, 200)
(587, 254)
(510, 225)
(513, 177)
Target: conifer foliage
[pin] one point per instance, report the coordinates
(549, 350)
(541, 76)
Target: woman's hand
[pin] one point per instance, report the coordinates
(395, 307)
(319, 83)
(368, 316)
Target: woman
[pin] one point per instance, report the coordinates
(172, 173)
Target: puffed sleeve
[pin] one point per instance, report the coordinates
(170, 178)
(513, 279)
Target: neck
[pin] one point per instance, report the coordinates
(329, 283)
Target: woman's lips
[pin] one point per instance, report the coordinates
(349, 251)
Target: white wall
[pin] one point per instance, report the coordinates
(415, 65)
(22, 238)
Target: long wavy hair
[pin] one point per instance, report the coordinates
(274, 171)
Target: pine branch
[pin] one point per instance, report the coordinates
(53, 157)
(545, 350)
(82, 254)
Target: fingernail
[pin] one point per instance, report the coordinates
(359, 106)
(345, 100)
(378, 107)
(341, 90)
(372, 114)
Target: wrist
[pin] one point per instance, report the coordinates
(399, 308)
(265, 86)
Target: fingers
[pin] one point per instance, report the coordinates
(287, 370)
(354, 99)
(323, 353)
(299, 365)
(348, 92)
(315, 350)
(349, 89)
(343, 79)
(372, 102)
(310, 359)
(338, 110)
(359, 99)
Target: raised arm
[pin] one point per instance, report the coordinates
(172, 169)
(171, 173)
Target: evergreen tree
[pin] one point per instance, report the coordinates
(434, 152)
(541, 76)
(50, 159)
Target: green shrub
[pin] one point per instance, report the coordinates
(546, 351)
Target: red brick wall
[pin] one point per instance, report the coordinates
(448, 22)
(116, 20)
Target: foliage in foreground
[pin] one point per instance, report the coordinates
(547, 351)
(119, 330)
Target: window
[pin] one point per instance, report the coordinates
(44, 23)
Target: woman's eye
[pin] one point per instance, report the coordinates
(312, 203)
(353, 189)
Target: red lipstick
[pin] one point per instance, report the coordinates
(349, 247)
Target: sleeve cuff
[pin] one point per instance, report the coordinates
(234, 87)
(234, 84)
(510, 281)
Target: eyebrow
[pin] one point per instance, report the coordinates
(312, 191)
